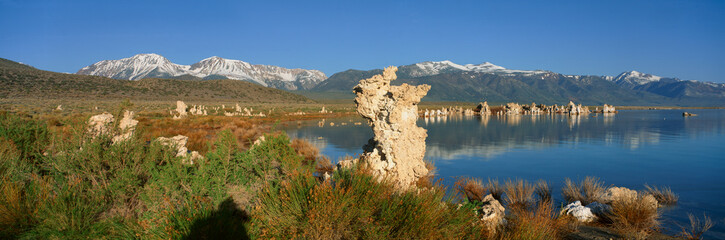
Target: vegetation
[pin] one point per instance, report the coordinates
(698, 227)
(663, 195)
(634, 217)
(60, 182)
(588, 191)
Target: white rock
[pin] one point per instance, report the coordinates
(581, 213)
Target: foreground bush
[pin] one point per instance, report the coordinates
(355, 205)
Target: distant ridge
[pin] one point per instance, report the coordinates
(22, 81)
(489, 82)
(156, 66)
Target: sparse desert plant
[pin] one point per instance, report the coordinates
(518, 193)
(590, 190)
(698, 227)
(663, 195)
(543, 192)
(634, 217)
(472, 188)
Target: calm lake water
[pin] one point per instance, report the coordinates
(629, 149)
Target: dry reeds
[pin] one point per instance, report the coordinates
(543, 192)
(590, 190)
(518, 193)
(305, 149)
(472, 188)
(495, 188)
(634, 217)
(663, 195)
(697, 227)
(539, 223)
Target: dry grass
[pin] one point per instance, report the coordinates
(634, 217)
(698, 227)
(540, 223)
(202, 129)
(519, 194)
(324, 165)
(428, 181)
(543, 192)
(305, 149)
(663, 195)
(590, 190)
(495, 188)
(472, 188)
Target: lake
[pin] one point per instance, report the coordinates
(629, 149)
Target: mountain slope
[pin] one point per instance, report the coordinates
(156, 66)
(488, 82)
(22, 81)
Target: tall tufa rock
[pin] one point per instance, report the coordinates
(398, 147)
(181, 109)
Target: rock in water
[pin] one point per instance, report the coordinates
(397, 149)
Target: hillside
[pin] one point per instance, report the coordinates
(22, 81)
(488, 82)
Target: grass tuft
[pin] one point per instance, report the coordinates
(518, 194)
(698, 227)
(590, 190)
(635, 217)
(663, 195)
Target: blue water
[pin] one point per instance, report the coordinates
(629, 149)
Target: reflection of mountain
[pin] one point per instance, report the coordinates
(456, 137)
(488, 137)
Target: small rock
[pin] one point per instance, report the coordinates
(581, 213)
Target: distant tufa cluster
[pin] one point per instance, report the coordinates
(201, 110)
(483, 109)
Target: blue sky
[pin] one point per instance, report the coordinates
(684, 39)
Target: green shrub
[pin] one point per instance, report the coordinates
(30, 136)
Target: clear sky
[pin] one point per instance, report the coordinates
(684, 39)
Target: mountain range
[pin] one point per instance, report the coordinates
(449, 81)
(19, 82)
(489, 82)
(156, 66)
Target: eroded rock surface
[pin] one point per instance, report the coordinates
(397, 149)
(581, 213)
(181, 109)
(492, 213)
(179, 143)
(127, 127)
(100, 124)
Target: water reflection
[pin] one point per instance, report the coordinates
(484, 137)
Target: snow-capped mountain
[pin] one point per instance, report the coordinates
(635, 78)
(433, 68)
(154, 65)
